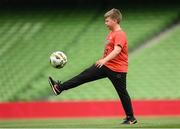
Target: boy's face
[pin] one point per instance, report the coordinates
(110, 23)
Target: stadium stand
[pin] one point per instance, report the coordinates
(159, 69)
(29, 37)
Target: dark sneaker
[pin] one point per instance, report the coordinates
(55, 85)
(129, 120)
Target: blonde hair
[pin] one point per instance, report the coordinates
(114, 14)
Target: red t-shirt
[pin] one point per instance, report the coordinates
(120, 62)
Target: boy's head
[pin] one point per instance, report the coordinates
(113, 14)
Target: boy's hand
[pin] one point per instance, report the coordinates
(100, 63)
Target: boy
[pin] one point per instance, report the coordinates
(114, 65)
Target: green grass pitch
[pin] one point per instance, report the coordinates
(143, 122)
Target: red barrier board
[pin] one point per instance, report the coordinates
(86, 109)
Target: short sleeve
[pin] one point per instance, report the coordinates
(120, 39)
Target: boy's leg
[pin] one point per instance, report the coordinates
(90, 74)
(120, 85)
(119, 82)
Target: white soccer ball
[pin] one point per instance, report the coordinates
(58, 59)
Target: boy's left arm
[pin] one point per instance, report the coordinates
(113, 54)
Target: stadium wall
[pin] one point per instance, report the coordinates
(14, 110)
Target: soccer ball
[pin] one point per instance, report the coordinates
(58, 59)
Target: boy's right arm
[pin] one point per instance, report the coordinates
(113, 54)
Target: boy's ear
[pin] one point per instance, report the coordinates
(115, 20)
